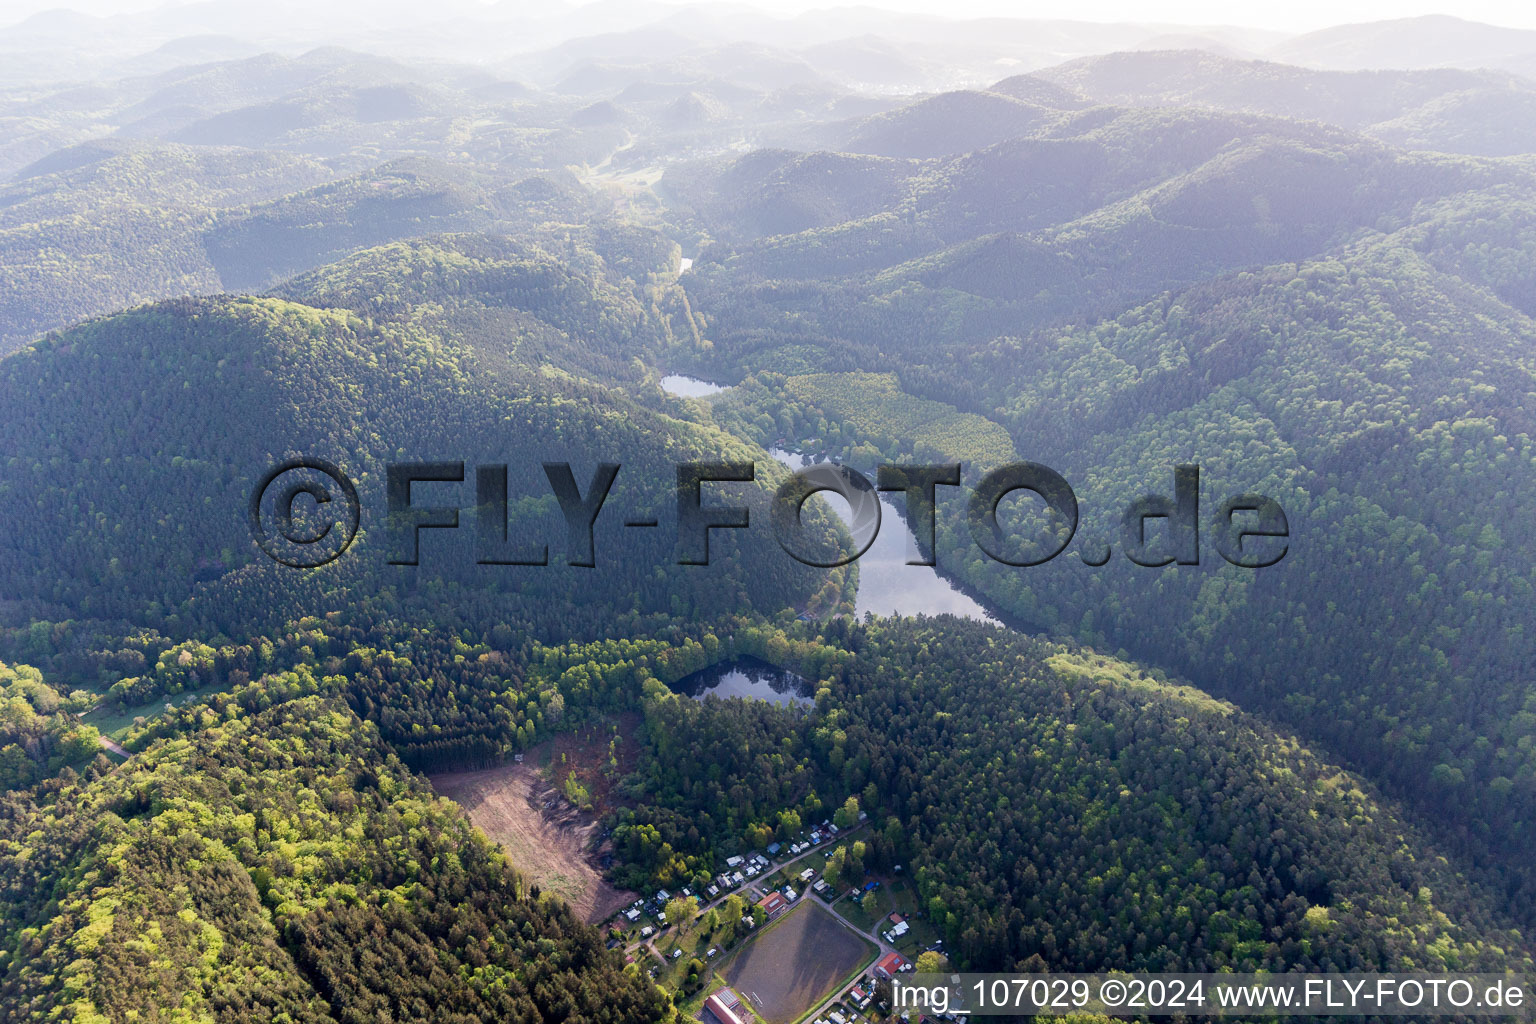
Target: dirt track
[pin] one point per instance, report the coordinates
(546, 838)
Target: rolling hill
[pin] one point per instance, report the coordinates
(216, 391)
(1302, 312)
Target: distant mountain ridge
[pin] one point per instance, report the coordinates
(1429, 41)
(1482, 112)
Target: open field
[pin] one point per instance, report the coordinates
(112, 723)
(793, 965)
(546, 838)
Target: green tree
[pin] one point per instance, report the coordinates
(575, 792)
(833, 872)
(847, 815)
(731, 911)
(931, 961)
(679, 911)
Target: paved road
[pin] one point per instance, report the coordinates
(752, 891)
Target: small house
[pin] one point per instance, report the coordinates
(774, 904)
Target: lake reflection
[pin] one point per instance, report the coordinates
(746, 677)
(887, 584)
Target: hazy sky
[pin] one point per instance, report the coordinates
(1295, 15)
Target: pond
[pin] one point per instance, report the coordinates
(746, 677)
(689, 387)
(887, 584)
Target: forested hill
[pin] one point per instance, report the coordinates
(281, 865)
(235, 174)
(1057, 808)
(141, 438)
(117, 225)
(1101, 208)
(602, 304)
(1341, 326)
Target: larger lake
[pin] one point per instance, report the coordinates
(887, 584)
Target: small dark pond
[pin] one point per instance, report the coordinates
(746, 677)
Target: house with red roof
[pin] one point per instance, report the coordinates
(724, 1005)
(892, 964)
(774, 903)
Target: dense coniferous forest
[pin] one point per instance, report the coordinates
(221, 389)
(1378, 389)
(1056, 804)
(1306, 263)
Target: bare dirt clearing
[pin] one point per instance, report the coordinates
(547, 839)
